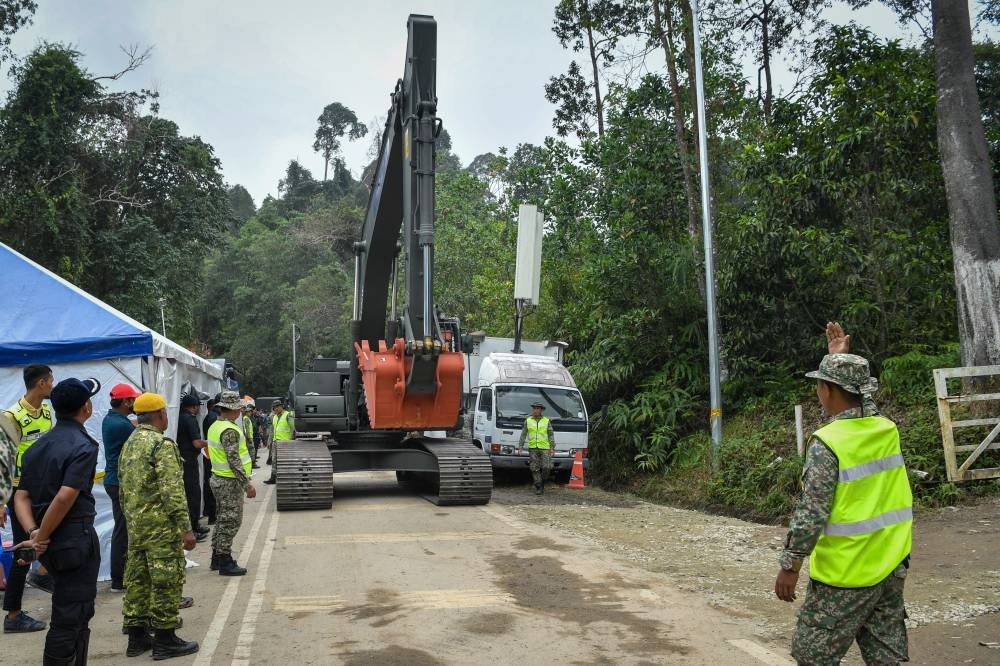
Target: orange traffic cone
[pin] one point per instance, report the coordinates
(576, 475)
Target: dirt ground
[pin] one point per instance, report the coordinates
(952, 594)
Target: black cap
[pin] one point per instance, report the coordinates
(69, 395)
(189, 400)
(277, 403)
(538, 404)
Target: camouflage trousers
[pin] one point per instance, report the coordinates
(154, 581)
(228, 512)
(834, 617)
(540, 462)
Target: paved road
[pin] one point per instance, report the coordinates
(387, 578)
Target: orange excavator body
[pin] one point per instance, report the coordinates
(391, 407)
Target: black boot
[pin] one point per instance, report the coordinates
(541, 488)
(228, 566)
(167, 644)
(214, 566)
(139, 641)
(538, 489)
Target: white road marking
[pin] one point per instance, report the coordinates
(422, 600)
(241, 656)
(399, 537)
(211, 642)
(760, 653)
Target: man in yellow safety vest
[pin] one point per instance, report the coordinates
(282, 430)
(231, 465)
(30, 418)
(853, 521)
(541, 441)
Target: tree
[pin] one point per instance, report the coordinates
(241, 203)
(14, 15)
(596, 27)
(298, 187)
(335, 121)
(972, 206)
(772, 24)
(663, 24)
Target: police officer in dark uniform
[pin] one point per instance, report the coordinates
(190, 443)
(55, 504)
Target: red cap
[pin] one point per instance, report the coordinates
(122, 391)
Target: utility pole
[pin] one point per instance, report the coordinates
(163, 316)
(295, 338)
(715, 385)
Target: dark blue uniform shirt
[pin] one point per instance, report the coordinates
(115, 429)
(64, 456)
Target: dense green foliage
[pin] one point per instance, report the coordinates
(96, 186)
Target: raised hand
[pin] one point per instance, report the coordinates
(837, 342)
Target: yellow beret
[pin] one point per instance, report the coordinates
(149, 402)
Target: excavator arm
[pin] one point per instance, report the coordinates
(409, 377)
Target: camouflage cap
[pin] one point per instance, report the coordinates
(849, 371)
(230, 400)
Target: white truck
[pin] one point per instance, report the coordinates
(500, 387)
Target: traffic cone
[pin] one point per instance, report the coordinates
(576, 475)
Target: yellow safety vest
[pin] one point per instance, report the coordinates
(32, 427)
(248, 427)
(869, 532)
(280, 427)
(538, 433)
(217, 454)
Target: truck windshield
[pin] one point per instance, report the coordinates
(514, 402)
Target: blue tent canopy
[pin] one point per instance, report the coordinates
(46, 319)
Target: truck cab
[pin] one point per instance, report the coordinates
(507, 386)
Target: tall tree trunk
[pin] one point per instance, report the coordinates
(968, 181)
(765, 44)
(687, 25)
(664, 30)
(326, 164)
(599, 104)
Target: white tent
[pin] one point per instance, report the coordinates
(49, 320)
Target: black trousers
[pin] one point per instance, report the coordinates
(15, 581)
(192, 487)
(206, 490)
(119, 537)
(73, 559)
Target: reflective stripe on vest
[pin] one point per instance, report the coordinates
(538, 433)
(217, 454)
(279, 425)
(869, 530)
(32, 427)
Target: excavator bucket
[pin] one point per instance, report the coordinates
(391, 406)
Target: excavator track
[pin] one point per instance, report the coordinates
(465, 473)
(304, 476)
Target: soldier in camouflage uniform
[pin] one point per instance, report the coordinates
(868, 611)
(159, 529)
(229, 453)
(538, 434)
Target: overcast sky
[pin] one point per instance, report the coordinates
(251, 76)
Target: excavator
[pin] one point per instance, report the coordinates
(405, 378)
